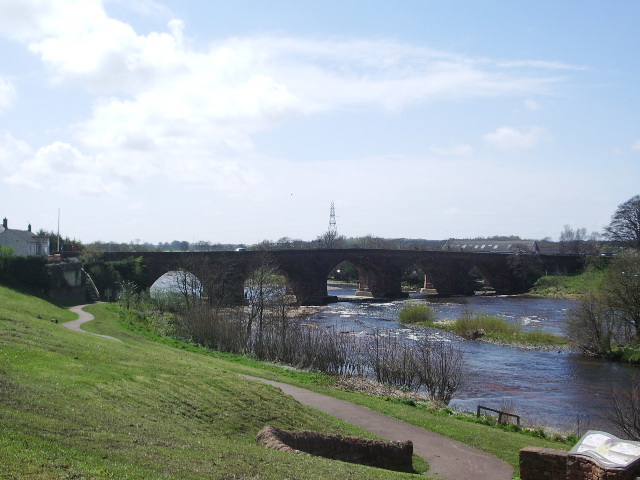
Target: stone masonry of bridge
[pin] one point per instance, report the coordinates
(223, 274)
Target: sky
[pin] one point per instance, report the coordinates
(240, 121)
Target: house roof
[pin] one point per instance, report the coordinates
(491, 246)
(24, 235)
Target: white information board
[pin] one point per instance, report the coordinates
(608, 450)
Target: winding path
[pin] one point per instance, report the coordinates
(447, 458)
(83, 317)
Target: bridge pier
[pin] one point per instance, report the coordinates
(386, 285)
(449, 277)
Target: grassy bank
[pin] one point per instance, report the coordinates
(570, 286)
(78, 406)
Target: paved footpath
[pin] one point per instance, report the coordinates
(447, 458)
(84, 317)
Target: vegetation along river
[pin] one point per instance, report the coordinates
(561, 390)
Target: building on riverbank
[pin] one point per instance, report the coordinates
(23, 242)
(491, 246)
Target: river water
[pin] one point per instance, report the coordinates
(560, 390)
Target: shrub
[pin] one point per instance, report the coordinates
(417, 314)
(24, 272)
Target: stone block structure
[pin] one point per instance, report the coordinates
(389, 455)
(549, 464)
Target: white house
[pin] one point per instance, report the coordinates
(23, 242)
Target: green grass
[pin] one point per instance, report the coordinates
(417, 314)
(499, 330)
(78, 406)
(629, 353)
(74, 406)
(569, 286)
(490, 328)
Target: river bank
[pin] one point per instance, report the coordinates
(555, 387)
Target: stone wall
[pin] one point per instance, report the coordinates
(390, 455)
(545, 463)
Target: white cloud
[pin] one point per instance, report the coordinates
(513, 140)
(532, 105)
(451, 211)
(28, 20)
(12, 151)
(456, 151)
(542, 64)
(68, 170)
(7, 93)
(167, 109)
(636, 145)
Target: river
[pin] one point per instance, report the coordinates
(560, 390)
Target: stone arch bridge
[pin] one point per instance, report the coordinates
(223, 274)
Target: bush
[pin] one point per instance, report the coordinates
(109, 274)
(417, 314)
(24, 272)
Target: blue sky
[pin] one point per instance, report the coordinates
(240, 121)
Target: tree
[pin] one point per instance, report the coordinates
(621, 290)
(526, 269)
(624, 409)
(577, 241)
(330, 239)
(188, 286)
(591, 326)
(266, 297)
(611, 314)
(65, 243)
(624, 228)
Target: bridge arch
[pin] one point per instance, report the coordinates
(178, 286)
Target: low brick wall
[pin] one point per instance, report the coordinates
(390, 455)
(545, 463)
(538, 463)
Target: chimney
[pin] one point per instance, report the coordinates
(5, 223)
(29, 228)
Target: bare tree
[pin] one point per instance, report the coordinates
(189, 287)
(266, 294)
(330, 239)
(591, 326)
(441, 368)
(435, 365)
(624, 228)
(392, 361)
(624, 408)
(611, 314)
(621, 289)
(577, 241)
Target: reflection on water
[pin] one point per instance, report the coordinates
(558, 389)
